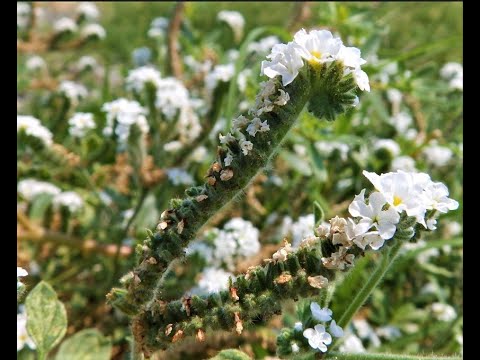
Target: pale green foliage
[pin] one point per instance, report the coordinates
(88, 344)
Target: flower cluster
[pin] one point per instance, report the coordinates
(80, 124)
(264, 45)
(88, 10)
(29, 189)
(93, 31)
(318, 337)
(22, 334)
(316, 47)
(212, 280)
(73, 91)
(64, 25)
(125, 113)
(238, 239)
(21, 272)
(33, 127)
(68, 199)
(437, 155)
(138, 78)
(376, 220)
(23, 14)
(453, 72)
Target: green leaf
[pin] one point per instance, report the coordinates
(318, 212)
(88, 344)
(39, 205)
(47, 318)
(231, 354)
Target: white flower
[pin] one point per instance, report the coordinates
(301, 229)
(138, 78)
(401, 121)
(235, 20)
(436, 198)
(295, 348)
(35, 63)
(443, 312)
(389, 332)
(321, 46)
(390, 145)
(405, 163)
(242, 79)
(454, 73)
(171, 97)
(320, 314)
(361, 78)
(285, 60)
(402, 191)
(32, 126)
(80, 123)
(298, 326)
(283, 98)
(86, 62)
(65, 24)
(219, 73)
(88, 9)
(245, 234)
(373, 215)
(263, 45)
(352, 344)
(246, 146)
(30, 188)
(73, 91)
(437, 155)
(212, 280)
(335, 330)
(179, 177)
(394, 96)
(69, 199)
(453, 228)
(22, 334)
(318, 338)
(93, 30)
(257, 126)
(199, 154)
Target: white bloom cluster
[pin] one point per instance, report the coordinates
(172, 96)
(73, 91)
(437, 155)
(197, 66)
(318, 337)
(264, 45)
(31, 188)
(235, 20)
(86, 62)
(317, 46)
(401, 121)
(33, 127)
(443, 312)
(23, 14)
(453, 72)
(298, 230)
(388, 144)
(238, 239)
(242, 79)
(352, 344)
(375, 221)
(80, 123)
(65, 24)
(68, 199)
(93, 30)
(366, 332)
(395, 97)
(139, 77)
(22, 334)
(326, 148)
(88, 9)
(158, 27)
(212, 280)
(179, 176)
(126, 113)
(35, 63)
(219, 73)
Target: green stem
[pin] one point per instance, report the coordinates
(356, 356)
(136, 353)
(371, 284)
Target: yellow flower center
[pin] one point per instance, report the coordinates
(316, 56)
(396, 201)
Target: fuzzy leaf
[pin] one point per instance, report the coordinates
(47, 318)
(88, 344)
